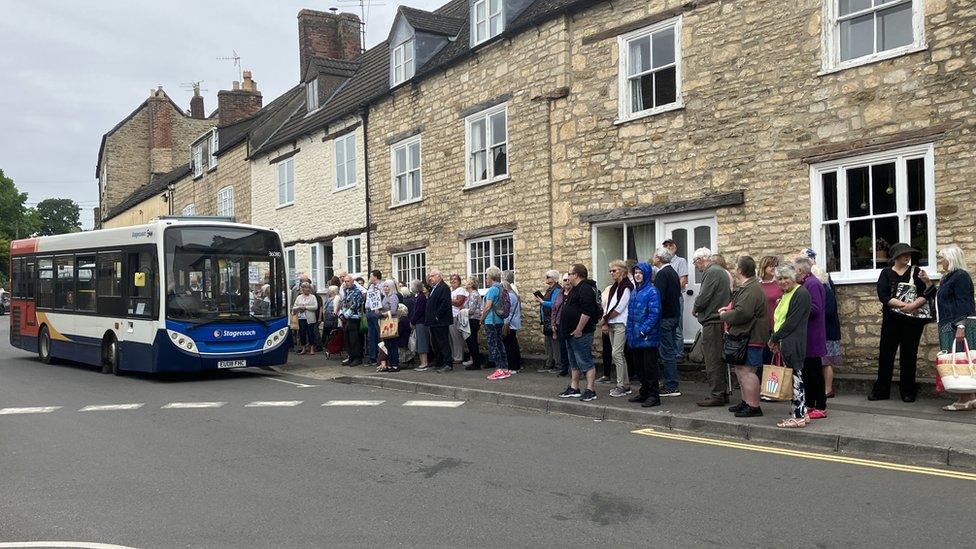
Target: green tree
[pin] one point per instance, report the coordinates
(56, 216)
(12, 210)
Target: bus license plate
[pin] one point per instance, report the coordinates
(231, 364)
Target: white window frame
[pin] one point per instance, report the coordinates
(343, 168)
(830, 36)
(485, 116)
(312, 95)
(404, 68)
(846, 275)
(395, 198)
(213, 143)
(289, 185)
(624, 113)
(225, 201)
(354, 255)
(493, 253)
(315, 264)
(196, 156)
(291, 265)
(416, 264)
(489, 15)
(189, 210)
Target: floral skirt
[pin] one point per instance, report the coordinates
(832, 358)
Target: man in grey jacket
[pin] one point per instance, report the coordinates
(715, 293)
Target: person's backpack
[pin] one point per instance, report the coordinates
(504, 306)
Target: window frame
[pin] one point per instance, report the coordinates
(624, 113)
(196, 157)
(492, 240)
(342, 141)
(395, 199)
(291, 265)
(830, 36)
(290, 161)
(416, 263)
(485, 115)
(407, 46)
(899, 156)
(354, 261)
(212, 144)
(487, 21)
(225, 199)
(189, 210)
(312, 96)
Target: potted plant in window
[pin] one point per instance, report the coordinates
(881, 249)
(862, 247)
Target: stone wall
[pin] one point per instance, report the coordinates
(320, 213)
(142, 212)
(233, 169)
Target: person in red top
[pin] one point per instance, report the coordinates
(767, 279)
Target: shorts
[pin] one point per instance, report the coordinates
(754, 357)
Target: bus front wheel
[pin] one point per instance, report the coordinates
(44, 346)
(110, 356)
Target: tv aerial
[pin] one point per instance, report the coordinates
(364, 6)
(237, 63)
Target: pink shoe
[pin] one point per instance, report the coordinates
(496, 374)
(816, 414)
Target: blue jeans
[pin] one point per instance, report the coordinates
(668, 355)
(581, 352)
(679, 335)
(372, 334)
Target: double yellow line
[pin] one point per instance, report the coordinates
(808, 455)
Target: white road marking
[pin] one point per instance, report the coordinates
(272, 403)
(70, 544)
(435, 403)
(193, 405)
(301, 385)
(108, 407)
(29, 410)
(354, 403)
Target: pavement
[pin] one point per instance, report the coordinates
(918, 432)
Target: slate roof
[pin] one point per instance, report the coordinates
(372, 80)
(154, 187)
(337, 67)
(231, 135)
(434, 23)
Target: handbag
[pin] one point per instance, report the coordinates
(907, 292)
(389, 327)
(734, 349)
(697, 353)
(777, 380)
(957, 370)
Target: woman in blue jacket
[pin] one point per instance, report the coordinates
(643, 334)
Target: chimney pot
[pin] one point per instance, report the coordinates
(238, 103)
(327, 34)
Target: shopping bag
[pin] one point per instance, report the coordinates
(389, 327)
(697, 354)
(777, 380)
(957, 369)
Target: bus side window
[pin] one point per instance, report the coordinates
(85, 282)
(29, 280)
(16, 277)
(141, 283)
(45, 282)
(109, 283)
(64, 284)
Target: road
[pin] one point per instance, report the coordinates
(300, 474)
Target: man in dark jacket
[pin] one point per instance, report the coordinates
(715, 293)
(668, 285)
(578, 317)
(439, 319)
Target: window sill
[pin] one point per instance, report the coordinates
(346, 188)
(212, 168)
(874, 58)
(679, 105)
(281, 206)
(869, 277)
(197, 176)
(474, 186)
(406, 203)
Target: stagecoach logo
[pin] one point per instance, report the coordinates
(234, 333)
(144, 233)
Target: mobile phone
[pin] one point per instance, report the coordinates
(538, 294)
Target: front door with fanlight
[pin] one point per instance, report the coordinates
(689, 234)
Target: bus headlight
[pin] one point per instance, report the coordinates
(274, 339)
(184, 342)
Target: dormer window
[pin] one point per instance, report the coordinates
(312, 95)
(486, 20)
(403, 65)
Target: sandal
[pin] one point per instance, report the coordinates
(792, 423)
(959, 406)
(301, 352)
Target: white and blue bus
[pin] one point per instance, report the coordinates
(175, 295)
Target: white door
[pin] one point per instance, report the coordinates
(689, 235)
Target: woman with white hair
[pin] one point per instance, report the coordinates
(493, 324)
(955, 308)
(390, 308)
(305, 308)
(789, 339)
(545, 300)
(474, 321)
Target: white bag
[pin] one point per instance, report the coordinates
(957, 370)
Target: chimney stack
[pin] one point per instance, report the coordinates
(196, 103)
(160, 132)
(238, 103)
(323, 34)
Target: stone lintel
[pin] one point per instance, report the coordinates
(488, 231)
(646, 21)
(408, 246)
(473, 109)
(340, 133)
(398, 137)
(735, 198)
(285, 156)
(835, 151)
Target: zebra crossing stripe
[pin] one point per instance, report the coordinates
(29, 410)
(173, 405)
(354, 403)
(110, 407)
(434, 403)
(272, 403)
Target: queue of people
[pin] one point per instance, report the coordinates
(772, 312)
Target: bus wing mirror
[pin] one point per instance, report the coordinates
(139, 280)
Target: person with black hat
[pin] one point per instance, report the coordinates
(904, 297)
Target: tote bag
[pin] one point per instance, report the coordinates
(957, 370)
(777, 381)
(389, 327)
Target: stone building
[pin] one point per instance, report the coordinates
(543, 134)
(148, 143)
(311, 173)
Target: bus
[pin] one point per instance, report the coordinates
(174, 295)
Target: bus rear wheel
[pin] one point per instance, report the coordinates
(44, 346)
(110, 356)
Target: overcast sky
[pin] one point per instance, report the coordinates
(71, 70)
